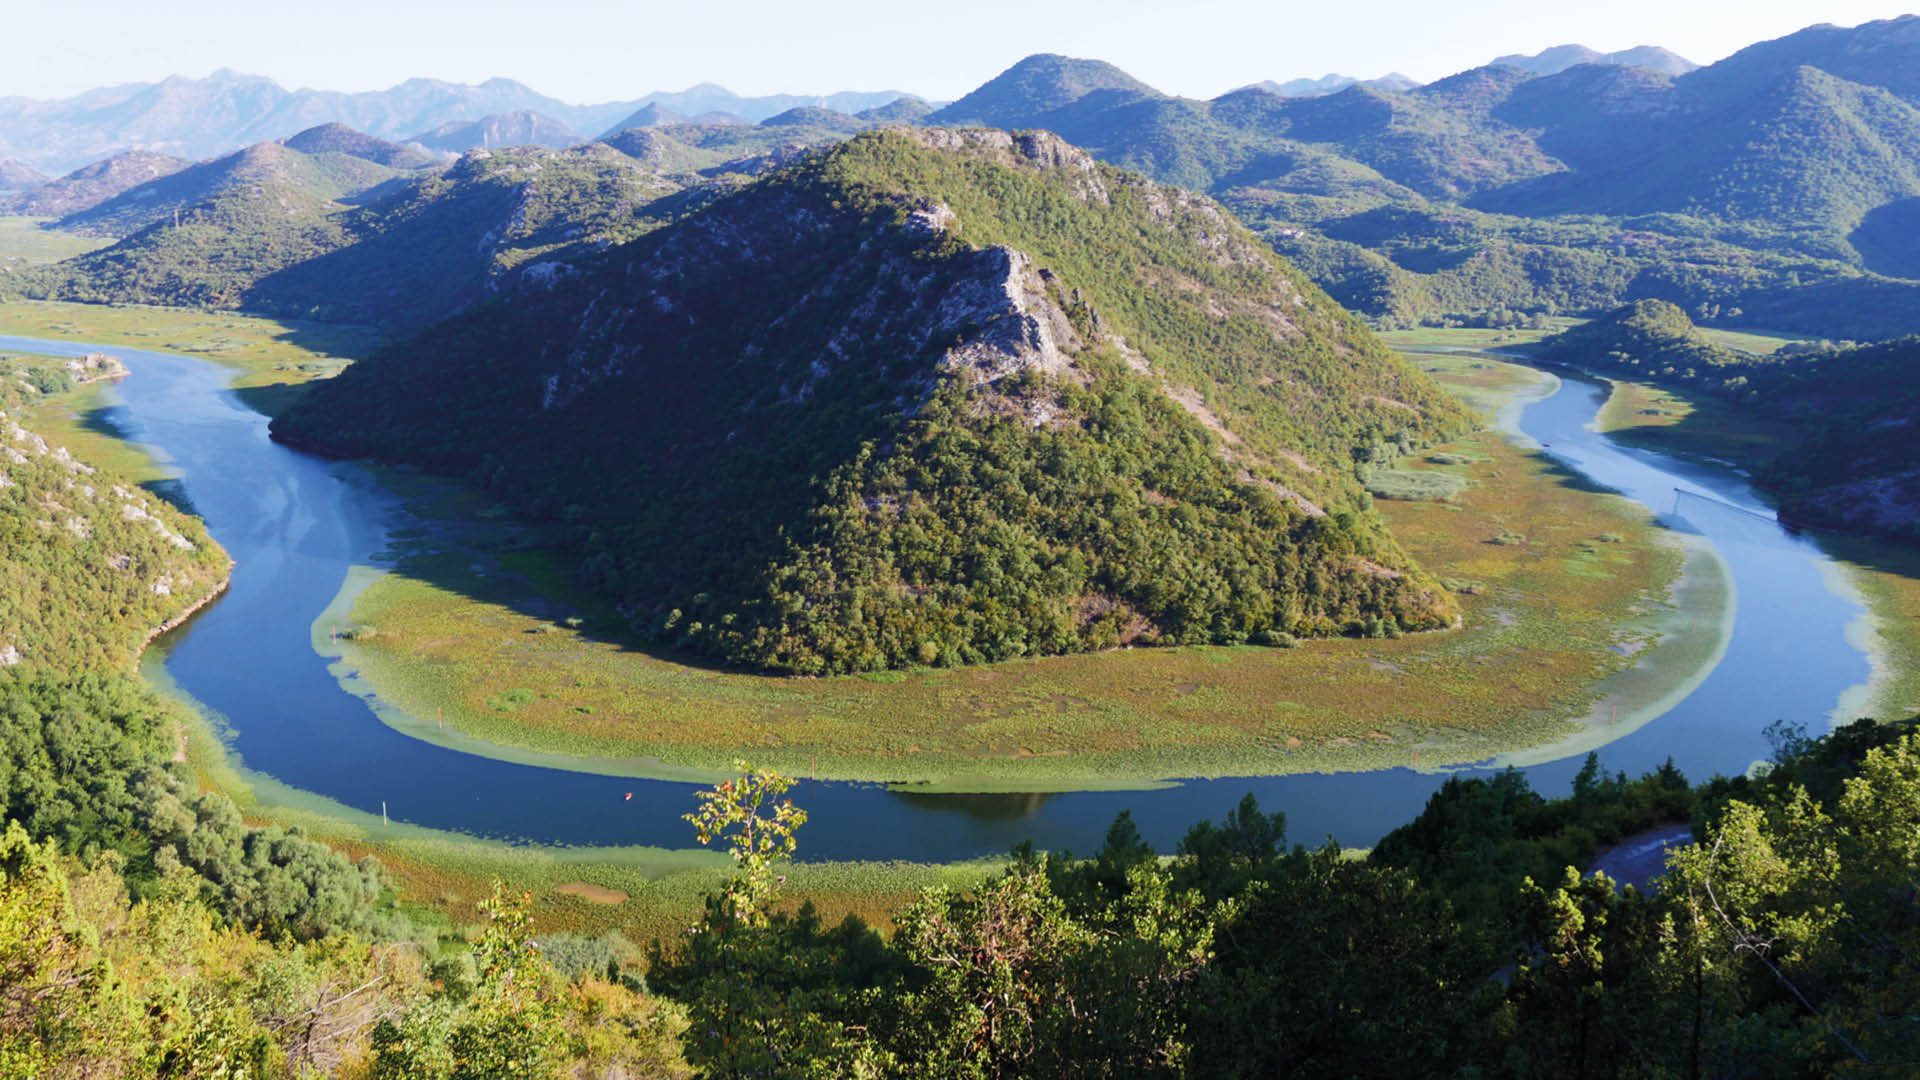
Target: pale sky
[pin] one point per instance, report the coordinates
(586, 51)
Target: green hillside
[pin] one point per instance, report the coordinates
(1651, 338)
(296, 244)
(440, 243)
(1753, 192)
(1038, 405)
(94, 564)
(280, 179)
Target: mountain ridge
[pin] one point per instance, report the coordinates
(958, 331)
(205, 118)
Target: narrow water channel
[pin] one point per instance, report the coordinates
(296, 524)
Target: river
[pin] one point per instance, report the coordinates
(295, 525)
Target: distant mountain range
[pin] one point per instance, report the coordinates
(1561, 57)
(1771, 188)
(1779, 187)
(200, 118)
(523, 128)
(1333, 84)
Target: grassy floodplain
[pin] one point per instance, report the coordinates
(273, 357)
(642, 893)
(24, 243)
(478, 638)
(1886, 574)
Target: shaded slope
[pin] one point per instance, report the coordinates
(1811, 150)
(446, 240)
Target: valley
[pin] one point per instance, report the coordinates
(1337, 576)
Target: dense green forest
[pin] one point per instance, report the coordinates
(1848, 464)
(1781, 943)
(1031, 405)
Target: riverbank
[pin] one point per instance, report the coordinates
(272, 358)
(642, 893)
(476, 639)
(1885, 573)
(1713, 431)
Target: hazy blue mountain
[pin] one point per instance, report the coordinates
(20, 176)
(91, 185)
(710, 98)
(656, 115)
(1562, 57)
(1883, 54)
(524, 128)
(336, 138)
(1333, 84)
(202, 118)
(1038, 85)
(1808, 150)
(905, 109)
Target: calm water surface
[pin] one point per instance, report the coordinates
(295, 524)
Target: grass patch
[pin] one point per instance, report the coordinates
(275, 358)
(1417, 485)
(1757, 342)
(1431, 337)
(1701, 428)
(24, 243)
(1888, 577)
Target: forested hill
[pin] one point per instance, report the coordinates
(93, 565)
(930, 397)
